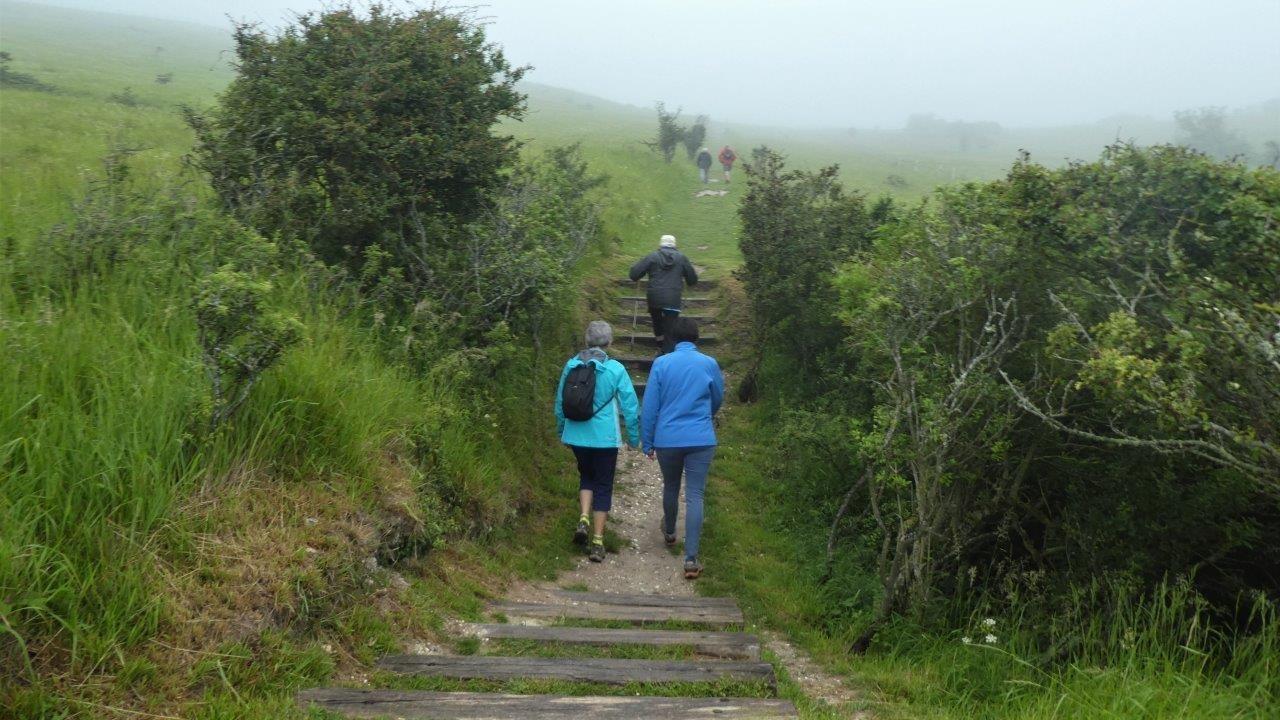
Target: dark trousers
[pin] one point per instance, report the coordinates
(596, 468)
(662, 320)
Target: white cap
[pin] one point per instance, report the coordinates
(667, 241)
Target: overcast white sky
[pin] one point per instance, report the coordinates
(866, 63)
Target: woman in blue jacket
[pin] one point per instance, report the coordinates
(595, 441)
(683, 394)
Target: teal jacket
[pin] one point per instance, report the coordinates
(613, 388)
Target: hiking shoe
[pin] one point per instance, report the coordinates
(669, 538)
(596, 553)
(692, 569)
(580, 535)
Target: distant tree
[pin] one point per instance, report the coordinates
(353, 129)
(695, 135)
(1205, 129)
(126, 97)
(670, 133)
(1273, 154)
(9, 78)
(965, 135)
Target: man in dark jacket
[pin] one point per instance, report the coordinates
(668, 270)
(704, 164)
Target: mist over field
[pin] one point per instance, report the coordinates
(832, 63)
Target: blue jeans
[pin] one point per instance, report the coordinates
(693, 463)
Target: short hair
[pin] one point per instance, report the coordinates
(599, 333)
(684, 329)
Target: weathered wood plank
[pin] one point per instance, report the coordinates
(649, 340)
(646, 600)
(687, 301)
(607, 671)
(602, 611)
(703, 283)
(421, 705)
(742, 646)
(643, 318)
(635, 362)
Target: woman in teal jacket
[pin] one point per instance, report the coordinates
(595, 441)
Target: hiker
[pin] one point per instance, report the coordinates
(683, 395)
(727, 158)
(668, 270)
(704, 164)
(587, 405)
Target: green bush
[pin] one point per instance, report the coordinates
(1057, 377)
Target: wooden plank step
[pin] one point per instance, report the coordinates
(646, 599)
(635, 362)
(606, 671)
(649, 340)
(423, 705)
(643, 318)
(605, 611)
(702, 284)
(736, 645)
(688, 301)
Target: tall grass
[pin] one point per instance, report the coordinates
(1103, 652)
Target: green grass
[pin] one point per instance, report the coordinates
(124, 542)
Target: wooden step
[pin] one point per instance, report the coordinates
(702, 284)
(649, 340)
(643, 318)
(629, 613)
(636, 362)
(423, 705)
(607, 671)
(631, 300)
(646, 599)
(735, 645)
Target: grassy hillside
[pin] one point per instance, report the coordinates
(354, 504)
(103, 71)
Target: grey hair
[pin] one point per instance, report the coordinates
(599, 333)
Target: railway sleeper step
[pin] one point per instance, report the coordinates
(605, 671)
(425, 705)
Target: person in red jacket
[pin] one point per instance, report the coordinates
(727, 156)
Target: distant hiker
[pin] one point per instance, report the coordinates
(704, 163)
(727, 158)
(668, 270)
(683, 395)
(593, 388)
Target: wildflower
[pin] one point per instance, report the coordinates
(989, 622)
(966, 640)
(991, 639)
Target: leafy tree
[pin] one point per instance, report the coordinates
(1060, 375)
(670, 133)
(1205, 129)
(352, 130)
(695, 136)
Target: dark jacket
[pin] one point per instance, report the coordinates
(704, 159)
(668, 269)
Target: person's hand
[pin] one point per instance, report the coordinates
(652, 454)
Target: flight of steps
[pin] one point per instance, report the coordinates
(633, 342)
(723, 653)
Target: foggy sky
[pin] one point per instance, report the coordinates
(867, 63)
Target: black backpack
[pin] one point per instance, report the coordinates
(579, 394)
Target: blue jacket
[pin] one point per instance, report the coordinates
(613, 388)
(685, 389)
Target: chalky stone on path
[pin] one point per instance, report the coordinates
(421, 705)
